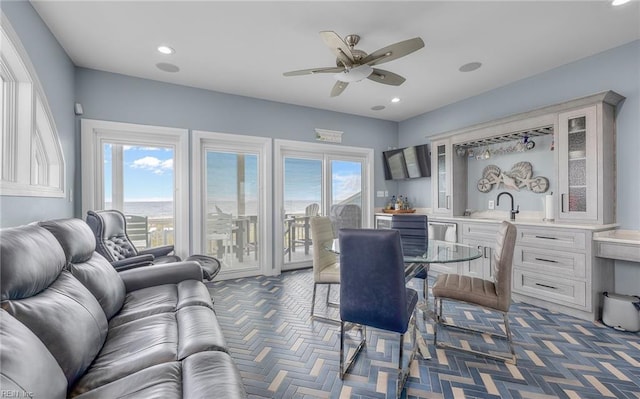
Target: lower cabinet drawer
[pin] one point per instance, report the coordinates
(480, 230)
(551, 262)
(552, 238)
(551, 289)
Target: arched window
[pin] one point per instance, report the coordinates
(31, 158)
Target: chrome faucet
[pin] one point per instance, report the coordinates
(513, 211)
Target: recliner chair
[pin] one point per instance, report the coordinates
(112, 242)
(110, 230)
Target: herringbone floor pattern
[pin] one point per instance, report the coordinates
(281, 353)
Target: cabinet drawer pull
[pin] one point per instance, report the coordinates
(546, 286)
(546, 260)
(547, 238)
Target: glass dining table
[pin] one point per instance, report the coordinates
(416, 260)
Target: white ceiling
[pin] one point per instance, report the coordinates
(244, 47)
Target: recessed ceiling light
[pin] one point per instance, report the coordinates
(165, 66)
(395, 100)
(619, 2)
(377, 107)
(165, 50)
(472, 66)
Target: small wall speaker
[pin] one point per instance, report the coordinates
(78, 109)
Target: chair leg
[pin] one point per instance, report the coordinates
(509, 337)
(313, 298)
(403, 373)
(440, 322)
(344, 368)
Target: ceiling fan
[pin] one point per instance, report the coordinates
(355, 65)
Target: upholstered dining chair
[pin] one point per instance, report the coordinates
(373, 292)
(113, 242)
(492, 295)
(326, 268)
(414, 236)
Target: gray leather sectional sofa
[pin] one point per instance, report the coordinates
(71, 326)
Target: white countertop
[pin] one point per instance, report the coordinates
(525, 219)
(619, 236)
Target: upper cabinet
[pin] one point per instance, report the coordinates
(441, 177)
(586, 163)
(583, 159)
(444, 182)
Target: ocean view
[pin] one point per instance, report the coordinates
(163, 209)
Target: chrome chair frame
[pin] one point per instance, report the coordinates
(502, 270)
(439, 321)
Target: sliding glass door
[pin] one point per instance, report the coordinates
(317, 180)
(230, 201)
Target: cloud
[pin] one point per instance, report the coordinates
(346, 185)
(153, 164)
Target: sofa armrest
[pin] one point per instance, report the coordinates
(157, 251)
(132, 262)
(164, 273)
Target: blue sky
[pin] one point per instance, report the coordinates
(148, 176)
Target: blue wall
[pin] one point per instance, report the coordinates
(114, 97)
(617, 69)
(56, 74)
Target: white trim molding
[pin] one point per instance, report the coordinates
(31, 158)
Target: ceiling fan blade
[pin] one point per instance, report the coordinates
(393, 51)
(311, 71)
(338, 47)
(386, 77)
(338, 88)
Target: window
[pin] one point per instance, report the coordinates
(31, 159)
(143, 172)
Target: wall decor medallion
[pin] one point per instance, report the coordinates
(520, 176)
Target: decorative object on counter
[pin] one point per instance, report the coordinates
(398, 204)
(394, 211)
(547, 203)
(520, 176)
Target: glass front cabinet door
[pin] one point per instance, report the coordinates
(578, 160)
(441, 177)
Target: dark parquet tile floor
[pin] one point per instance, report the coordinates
(282, 353)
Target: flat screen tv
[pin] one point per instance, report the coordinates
(407, 163)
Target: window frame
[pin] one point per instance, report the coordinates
(96, 132)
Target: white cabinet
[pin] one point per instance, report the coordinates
(586, 162)
(441, 177)
(556, 269)
(482, 236)
(448, 177)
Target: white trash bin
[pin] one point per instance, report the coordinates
(621, 312)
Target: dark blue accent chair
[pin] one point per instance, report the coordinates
(415, 238)
(373, 290)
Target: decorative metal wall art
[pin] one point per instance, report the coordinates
(520, 176)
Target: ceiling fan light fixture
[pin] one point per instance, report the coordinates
(395, 100)
(354, 74)
(165, 49)
(619, 2)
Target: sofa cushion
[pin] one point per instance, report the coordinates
(151, 340)
(162, 298)
(211, 375)
(203, 375)
(31, 260)
(75, 237)
(159, 381)
(91, 268)
(67, 319)
(28, 369)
